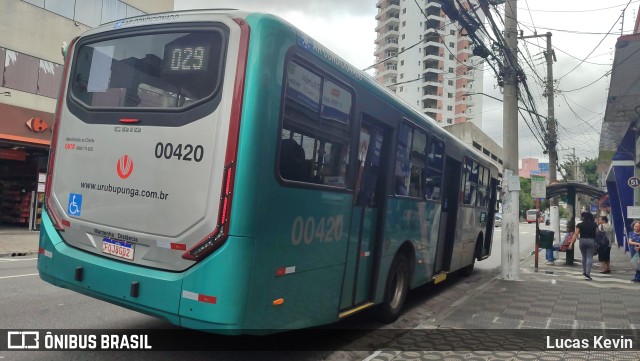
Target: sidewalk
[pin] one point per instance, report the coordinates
(18, 242)
(557, 297)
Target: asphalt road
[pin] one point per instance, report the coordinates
(26, 302)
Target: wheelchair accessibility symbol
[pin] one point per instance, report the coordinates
(75, 204)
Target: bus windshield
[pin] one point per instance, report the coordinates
(163, 70)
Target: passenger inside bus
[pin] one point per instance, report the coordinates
(292, 161)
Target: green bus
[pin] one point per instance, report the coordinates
(224, 171)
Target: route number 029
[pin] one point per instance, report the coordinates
(310, 230)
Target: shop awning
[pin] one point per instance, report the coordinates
(25, 126)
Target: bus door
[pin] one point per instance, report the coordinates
(366, 222)
(450, 200)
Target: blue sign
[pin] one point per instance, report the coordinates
(75, 204)
(594, 208)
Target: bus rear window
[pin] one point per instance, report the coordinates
(163, 70)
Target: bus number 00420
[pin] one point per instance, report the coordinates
(185, 152)
(324, 230)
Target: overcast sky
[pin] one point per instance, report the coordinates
(348, 28)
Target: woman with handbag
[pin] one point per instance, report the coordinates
(604, 253)
(634, 246)
(586, 232)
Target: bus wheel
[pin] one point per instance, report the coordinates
(396, 290)
(467, 271)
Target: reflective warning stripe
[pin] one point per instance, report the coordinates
(365, 254)
(173, 246)
(285, 270)
(198, 297)
(44, 252)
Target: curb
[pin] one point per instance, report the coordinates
(10, 254)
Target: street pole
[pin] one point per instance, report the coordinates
(553, 140)
(511, 181)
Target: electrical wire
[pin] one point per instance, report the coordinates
(580, 11)
(599, 43)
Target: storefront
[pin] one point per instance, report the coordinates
(25, 136)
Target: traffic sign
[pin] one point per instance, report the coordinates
(538, 187)
(634, 182)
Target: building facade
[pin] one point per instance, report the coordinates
(531, 166)
(426, 60)
(473, 136)
(30, 74)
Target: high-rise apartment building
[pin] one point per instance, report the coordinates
(31, 64)
(427, 60)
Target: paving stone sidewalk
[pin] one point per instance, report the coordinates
(556, 297)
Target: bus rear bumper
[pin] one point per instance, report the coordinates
(182, 298)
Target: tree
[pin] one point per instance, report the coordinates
(526, 202)
(587, 170)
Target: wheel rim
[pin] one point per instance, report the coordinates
(399, 280)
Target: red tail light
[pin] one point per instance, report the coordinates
(57, 224)
(219, 235)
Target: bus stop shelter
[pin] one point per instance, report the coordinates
(571, 189)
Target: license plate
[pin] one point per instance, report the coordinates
(117, 248)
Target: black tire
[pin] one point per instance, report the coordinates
(467, 271)
(396, 290)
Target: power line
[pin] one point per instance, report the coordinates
(580, 11)
(615, 65)
(594, 49)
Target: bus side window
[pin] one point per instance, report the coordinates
(470, 180)
(433, 177)
(402, 169)
(418, 163)
(315, 136)
(410, 162)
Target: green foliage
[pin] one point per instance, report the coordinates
(588, 170)
(526, 202)
(562, 212)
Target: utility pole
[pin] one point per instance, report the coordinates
(552, 138)
(576, 167)
(511, 181)
(552, 124)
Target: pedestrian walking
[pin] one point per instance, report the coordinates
(634, 245)
(604, 254)
(586, 233)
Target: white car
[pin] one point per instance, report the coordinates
(497, 220)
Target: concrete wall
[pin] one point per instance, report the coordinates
(34, 31)
(469, 133)
(151, 6)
